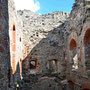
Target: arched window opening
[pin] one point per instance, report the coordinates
(87, 38)
(14, 27)
(53, 65)
(33, 64)
(73, 55)
(73, 44)
(87, 50)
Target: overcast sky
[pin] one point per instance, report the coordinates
(44, 6)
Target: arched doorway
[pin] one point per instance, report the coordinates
(73, 54)
(87, 50)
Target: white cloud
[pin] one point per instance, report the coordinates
(27, 4)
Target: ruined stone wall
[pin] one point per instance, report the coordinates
(36, 27)
(76, 26)
(67, 44)
(4, 46)
(42, 40)
(55, 49)
(15, 36)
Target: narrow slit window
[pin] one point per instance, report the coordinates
(14, 27)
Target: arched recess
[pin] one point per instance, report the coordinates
(73, 54)
(52, 65)
(86, 42)
(33, 66)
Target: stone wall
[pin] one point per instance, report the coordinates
(4, 46)
(51, 52)
(66, 45)
(36, 27)
(41, 38)
(43, 41)
(76, 27)
(15, 37)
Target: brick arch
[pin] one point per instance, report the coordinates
(73, 44)
(84, 32)
(72, 40)
(73, 56)
(86, 39)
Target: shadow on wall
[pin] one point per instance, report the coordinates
(46, 61)
(48, 55)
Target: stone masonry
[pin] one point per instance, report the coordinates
(45, 52)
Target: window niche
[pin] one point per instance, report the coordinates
(14, 27)
(53, 65)
(87, 50)
(33, 66)
(73, 55)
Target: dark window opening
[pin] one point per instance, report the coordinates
(73, 55)
(33, 64)
(87, 50)
(53, 65)
(73, 44)
(87, 38)
(14, 28)
(20, 39)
